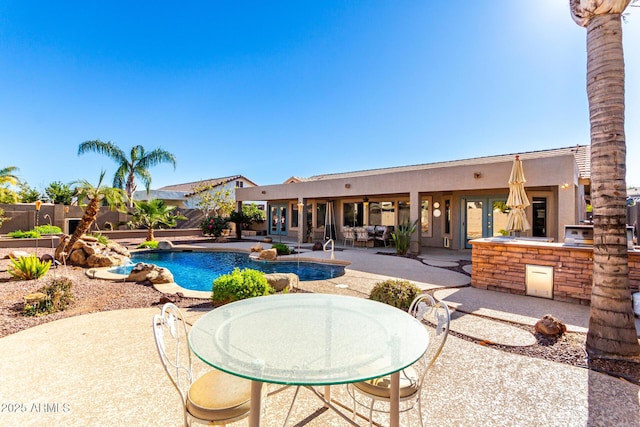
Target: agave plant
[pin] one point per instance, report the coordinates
(402, 237)
(28, 267)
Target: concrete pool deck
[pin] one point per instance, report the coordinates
(102, 369)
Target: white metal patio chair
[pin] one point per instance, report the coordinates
(349, 235)
(362, 235)
(437, 318)
(215, 398)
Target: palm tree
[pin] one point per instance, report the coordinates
(154, 213)
(114, 197)
(7, 175)
(611, 325)
(136, 165)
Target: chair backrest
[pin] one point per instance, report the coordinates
(437, 318)
(170, 333)
(348, 233)
(362, 233)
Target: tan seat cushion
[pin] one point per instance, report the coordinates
(219, 396)
(381, 387)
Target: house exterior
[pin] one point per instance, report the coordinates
(452, 202)
(179, 194)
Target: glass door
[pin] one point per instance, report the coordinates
(483, 217)
(278, 220)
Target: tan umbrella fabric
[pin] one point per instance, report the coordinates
(518, 200)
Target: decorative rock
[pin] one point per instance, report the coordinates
(165, 245)
(35, 298)
(282, 281)
(269, 255)
(88, 252)
(149, 272)
(257, 247)
(17, 254)
(550, 326)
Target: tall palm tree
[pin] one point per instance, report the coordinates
(136, 165)
(7, 175)
(611, 325)
(154, 213)
(114, 197)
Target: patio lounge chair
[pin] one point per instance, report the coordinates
(215, 397)
(437, 318)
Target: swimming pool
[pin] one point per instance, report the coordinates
(198, 270)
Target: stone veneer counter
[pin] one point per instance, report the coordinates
(500, 264)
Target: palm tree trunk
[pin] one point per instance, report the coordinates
(88, 217)
(150, 236)
(611, 325)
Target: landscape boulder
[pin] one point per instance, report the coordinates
(268, 255)
(165, 245)
(16, 254)
(256, 248)
(282, 281)
(550, 326)
(88, 252)
(143, 272)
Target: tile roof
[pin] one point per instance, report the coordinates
(580, 152)
(189, 186)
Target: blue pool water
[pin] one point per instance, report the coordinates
(197, 270)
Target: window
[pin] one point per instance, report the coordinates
(539, 206)
(381, 213)
(321, 212)
(353, 214)
(425, 215)
(239, 184)
(294, 215)
(447, 216)
(404, 214)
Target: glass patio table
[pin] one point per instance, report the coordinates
(309, 340)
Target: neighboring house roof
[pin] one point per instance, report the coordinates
(295, 179)
(213, 182)
(582, 154)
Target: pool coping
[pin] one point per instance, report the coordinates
(174, 288)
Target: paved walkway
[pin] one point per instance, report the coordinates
(102, 369)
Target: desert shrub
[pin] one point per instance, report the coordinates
(19, 234)
(152, 244)
(50, 298)
(28, 267)
(281, 248)
(240, 284)
(47, 229)
(398, 293)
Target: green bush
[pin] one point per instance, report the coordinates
(151, 244)
(402, 237)
(214, 226)
(47, 229)
(281, 248)
(28, 267)
(101, 238)
(50, 298)
(398, 293)
(240, 284)
(19, 234)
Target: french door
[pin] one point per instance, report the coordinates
(483, 217)
(278, 220)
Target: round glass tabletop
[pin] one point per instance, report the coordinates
(308, 339)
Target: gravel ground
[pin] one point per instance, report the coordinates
(92, 295)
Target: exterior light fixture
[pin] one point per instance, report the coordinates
(38, 204)
(347, 185)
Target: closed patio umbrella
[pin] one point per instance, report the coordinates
(518, 200)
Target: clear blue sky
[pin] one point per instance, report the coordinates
(274, 89)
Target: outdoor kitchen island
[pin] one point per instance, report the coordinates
(539, 268)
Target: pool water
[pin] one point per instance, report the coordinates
(197, 270)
